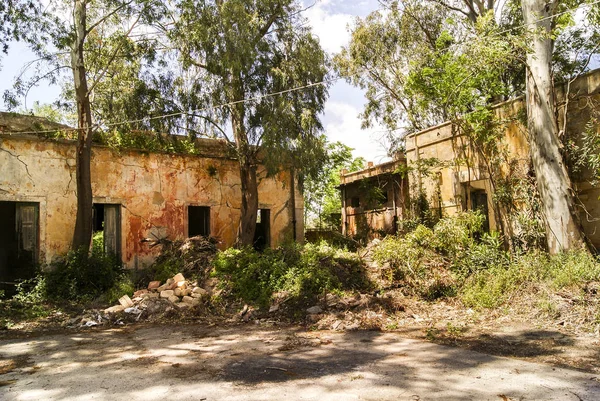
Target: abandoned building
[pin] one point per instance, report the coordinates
(138, 195)
(453, 173)
(373, 200)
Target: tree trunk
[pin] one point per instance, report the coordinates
(82, 235)
(562, 230)
(249, 207)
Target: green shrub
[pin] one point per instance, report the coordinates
(573, 268)
(123, 286)
(420, 260)
(302, 272)
(165, 269)
(79, 276)
(492, 287)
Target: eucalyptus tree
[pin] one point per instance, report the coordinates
(248, 57)
(474, 54)
(60, 36)
(545, 21)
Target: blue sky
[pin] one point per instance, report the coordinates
(330, 20)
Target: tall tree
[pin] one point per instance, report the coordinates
(62, 44)
(243, 51)
(553, 181)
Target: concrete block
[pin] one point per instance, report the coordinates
(126, 301)
(153, 285)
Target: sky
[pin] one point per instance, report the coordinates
(330, 20)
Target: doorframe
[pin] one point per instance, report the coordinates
(41, 256)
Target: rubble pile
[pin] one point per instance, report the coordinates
(196, 255)
(176, 291)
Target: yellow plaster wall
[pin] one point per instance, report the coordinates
(153, 189)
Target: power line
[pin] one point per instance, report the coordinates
(210, 108)
(259, 97)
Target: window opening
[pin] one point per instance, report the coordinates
(198, 221)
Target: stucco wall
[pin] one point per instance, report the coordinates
(153, 189)
(445, 188)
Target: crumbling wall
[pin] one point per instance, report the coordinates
(153, 189)
(461, 167)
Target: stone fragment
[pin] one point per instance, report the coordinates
(274, 308)
(314, 310)
(167, 294)
(115, 309)
(187, 291)
(178, 277)
(139, 293)
(151, 295)
(182, 305)
(173, 299)
(163, 287)
(153, 285)
(126, 301)
(182, 284)
(188, 300)
(178, 292)
(199, 290)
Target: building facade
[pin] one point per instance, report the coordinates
(373, 200)
(138, 196)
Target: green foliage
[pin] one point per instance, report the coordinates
(435, 262)
(455, 257)
(122, 286)
(492, 287)
(79, 276)
(303, 273)
(321, 195)
(166, 268)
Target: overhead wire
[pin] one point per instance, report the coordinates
(267, 95)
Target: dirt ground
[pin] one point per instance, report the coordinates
(267, 361)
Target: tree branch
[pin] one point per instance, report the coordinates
(107, 16)
(112, 58)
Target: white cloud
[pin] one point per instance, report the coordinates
(330, 26)
(342, 123)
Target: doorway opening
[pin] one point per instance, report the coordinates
(479, 201)
(19, 238)
(107, 229)
(198, 221)
(262, 235)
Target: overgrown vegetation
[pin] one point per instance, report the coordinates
(457, 258)
(302, 273)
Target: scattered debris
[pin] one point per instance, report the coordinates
(315, 310)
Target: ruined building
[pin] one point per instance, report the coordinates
(453, 173)
(138, 195)
(373, 200)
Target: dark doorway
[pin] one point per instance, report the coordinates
(19, 232)
(479, 201)
(262, 235)
(198, 221)
(107, 228)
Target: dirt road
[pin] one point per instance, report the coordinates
(251, 362)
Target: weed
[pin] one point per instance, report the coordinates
(82, 277)
(455, 330)
(304, 273)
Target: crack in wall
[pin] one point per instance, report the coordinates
(18, 157)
